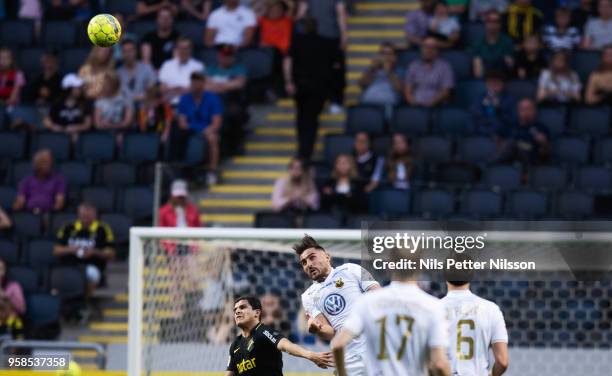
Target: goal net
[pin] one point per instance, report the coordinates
(183, 283)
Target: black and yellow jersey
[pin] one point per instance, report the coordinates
(256, 355)
(97, 235)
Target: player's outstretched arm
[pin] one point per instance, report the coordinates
(500, 352)
(337, 345)
(438, 362)
(321, 327)
(322, 359)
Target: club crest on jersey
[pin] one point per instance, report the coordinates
(250, 345)
(339, 283)
(334, 304)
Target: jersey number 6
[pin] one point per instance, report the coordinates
(461, 339)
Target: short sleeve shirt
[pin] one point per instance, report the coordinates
(256, 355)
(113, 109)
(599, 31)
(427, 80)
(40, 194)
(324, 11)
(219, 74)
(199, 115)
(230, 25)
(136, 82)
(98, 236)
(161, 48)
(65, 115)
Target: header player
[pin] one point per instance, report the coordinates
(476, 325)
(404, 328)
(257, 351)
(332, 296)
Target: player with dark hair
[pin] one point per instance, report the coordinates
(477, 325)
(257, 350)
(332, 296)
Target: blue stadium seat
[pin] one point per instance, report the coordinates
(102, 197)
(527, 204)
(584, 62)
(117, 174)
(356, 221)
(381, 145)
(504, 177)
(58, 34)
(593, 178)
(197, 150)
(39, 254)
(521, 89)
(471, 32)
(7, 196)
(477, 149)
(72, 59)
(140, 147)
(571, 150)
(603, 151)
(433, 149)
(258, 61)
(405, 57)
(29, 62)
(99, 147)
(16, 33)
(142, 28)
(60, 219)
(3, 121)
(27, 225)
(68, 282)
(20, 170)
(452, 121)
(120, 224)
(460, 61)
(9, 252)
(13, 145)
(410, 120)
(26, 277)
(481, 204)
(548, 177)
(467, 91)
(58, 143)
(43, 309)
(137, 202)
(321, 220)
(553, 118)
(590, 120)
(28, 115)
(389, 203)
(77, 174)
(274, 220)
(125, 7)
(574, 205)
(456, 173)
(193, 30)
(434, 203)
(208, 56)
(337, 144)
(365, 118)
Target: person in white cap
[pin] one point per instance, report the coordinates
(72, 113)
(178, 211)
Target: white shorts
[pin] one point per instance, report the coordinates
(355, 367)
(93, 274)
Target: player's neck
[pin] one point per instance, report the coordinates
(246, 331)
(406, 281)
(325, 275)
(451, 287)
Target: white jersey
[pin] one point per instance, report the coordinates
(400, 323)
(476, 323)
(335, 298)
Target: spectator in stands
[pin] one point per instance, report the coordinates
(49, 82)
(331, 20)
(493, 111)
(159, 45)
(12, 79)
(599, 88)
(444, 27)
(146, 9)
(598, 31)
(381, 83)
(31, 10)
(523, 20)
(11, 291)
(179, 211)
(11, 325)
(196, 9)
(86, 241)
(559, 83)
(113, 110)
(480, 9)
(399, 162)
(275, 30)
(126, 35)
(82, 9)
(369, 165)
(44, 190)
(231, 23)
(308, 72)
(417, 22)
(429, 79)
(295, 192)
(494, 50)
(58, 10)
(175, 74)
(201, 112)
(272, 314)
(5, 220)
(228, 79)
(344, 192)
(135, 76)
(527, 142)
(72, 113)
(582, 13)
(561, 35)
(155, 114)
(530, 60)
(98, 65)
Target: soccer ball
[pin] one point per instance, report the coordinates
(104, 30)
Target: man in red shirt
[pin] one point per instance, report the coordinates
(178, 211)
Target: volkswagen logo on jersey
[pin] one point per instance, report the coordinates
(334, 304)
